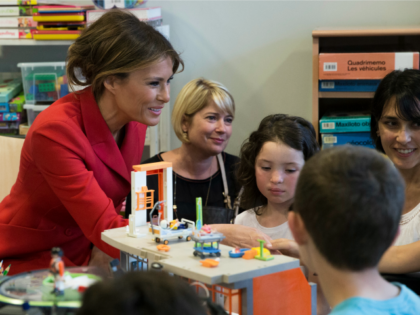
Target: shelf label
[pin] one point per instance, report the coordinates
(330, 140)
(330, 125)
(327, 85)
(330, 66)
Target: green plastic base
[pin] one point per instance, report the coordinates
(265, 258)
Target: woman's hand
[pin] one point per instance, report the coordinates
(99, 259)
(285, 246)
(240, 236)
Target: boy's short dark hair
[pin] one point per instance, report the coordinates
(350, 199)
(137, 293)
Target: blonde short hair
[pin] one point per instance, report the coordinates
(194, 96)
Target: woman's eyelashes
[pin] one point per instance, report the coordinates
(157, 83)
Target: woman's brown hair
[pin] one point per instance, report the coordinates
(116, 44)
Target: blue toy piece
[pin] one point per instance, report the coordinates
(232, 254)
(4, 107)
(33, 89)
(64, 90)
(202, 251)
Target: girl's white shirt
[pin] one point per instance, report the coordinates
(249, 218)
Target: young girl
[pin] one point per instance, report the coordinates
(271, 160)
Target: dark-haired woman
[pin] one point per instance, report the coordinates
(396, 131)
(76, 159)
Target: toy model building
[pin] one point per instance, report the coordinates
(277, 286)
(262, 287)
(142, 197)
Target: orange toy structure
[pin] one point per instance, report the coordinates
(163, 248)
(209, 263)
(250, 254)
(142, 197)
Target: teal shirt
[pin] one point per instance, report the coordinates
(406, 303)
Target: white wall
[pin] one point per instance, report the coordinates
(261, 50)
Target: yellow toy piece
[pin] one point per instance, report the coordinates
(173, 225)
(266, 252)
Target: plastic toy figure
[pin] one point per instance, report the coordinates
(57, 270)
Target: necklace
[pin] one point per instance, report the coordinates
(174, 193)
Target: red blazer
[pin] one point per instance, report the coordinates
(71, 183)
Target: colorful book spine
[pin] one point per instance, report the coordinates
(15, 33)
(143, 14)
(16, 11)
(10, 116)
(59, 17)
(55, 35)
(17, 21)
(330, 140)
(18, 2)
(348, 85)
(364, 66)
(344, 122)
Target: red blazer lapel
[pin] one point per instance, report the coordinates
(99, 135)
(135, 136)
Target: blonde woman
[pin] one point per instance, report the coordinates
(75, 162)
(202, 119)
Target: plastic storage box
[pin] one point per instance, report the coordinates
(44, 82)
(33, 111)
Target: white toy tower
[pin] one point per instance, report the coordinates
(142, 198)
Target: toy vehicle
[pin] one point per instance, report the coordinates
(204, 244)
(161, 231)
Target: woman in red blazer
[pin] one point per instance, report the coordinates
(76, 160)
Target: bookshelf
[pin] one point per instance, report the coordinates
(354, 41)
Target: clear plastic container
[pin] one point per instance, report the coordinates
(33, 111)
(44, 82)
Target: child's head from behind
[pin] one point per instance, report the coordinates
(347, 208)
(272, 157)
(138, 293)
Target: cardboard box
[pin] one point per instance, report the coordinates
(348, 85)
(330, 140)
(368, 66)
(339, 122)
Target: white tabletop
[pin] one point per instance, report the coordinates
(181, 261)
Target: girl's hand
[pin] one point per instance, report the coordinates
(285, 246)
(240, 236)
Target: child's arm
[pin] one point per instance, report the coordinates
(401, 259)
(240, 236)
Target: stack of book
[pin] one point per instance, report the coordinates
(59, 22)
(16, 20)
(11, 106)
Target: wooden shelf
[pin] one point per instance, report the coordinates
(33, 42)
(346, 94)
(354, 40)
(366, 32)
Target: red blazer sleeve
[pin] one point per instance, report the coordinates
(59, 151)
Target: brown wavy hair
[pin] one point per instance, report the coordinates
(296, 132)
(116, 44)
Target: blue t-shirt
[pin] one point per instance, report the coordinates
(406, 303)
